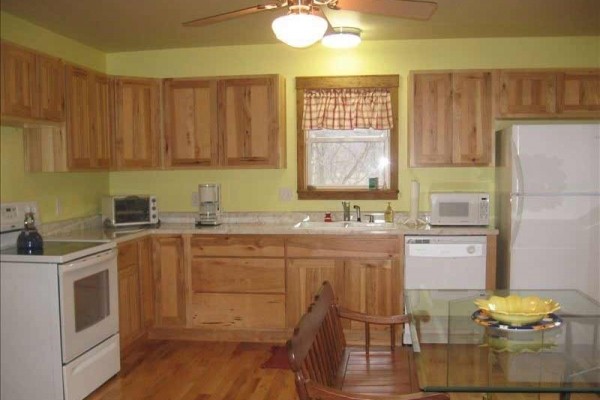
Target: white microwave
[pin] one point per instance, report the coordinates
(129, 210)
(463, 209)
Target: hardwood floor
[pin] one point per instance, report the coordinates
(191, 370)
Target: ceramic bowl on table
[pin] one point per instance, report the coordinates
(517, 310)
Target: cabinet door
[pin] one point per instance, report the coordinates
(51, 88)
(169, 281)
(130, 315)
(18, 82)
(368, 286)
(191, 136)
(304, 278)
(431, 126)
(79, 144)
(472, 118)
(527, 93)
(249, 122)
(146, 282)
(100, 121)
(579, 93)
(137, 130)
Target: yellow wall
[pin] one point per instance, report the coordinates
(258, 190)
(77, 193)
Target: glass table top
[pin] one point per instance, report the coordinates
(455, 351)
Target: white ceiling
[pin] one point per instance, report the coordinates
(128, 25)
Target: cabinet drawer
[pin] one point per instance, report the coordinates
(241, 275)
(260, 311)
(237, 246)
(336, 247)
(128, 255)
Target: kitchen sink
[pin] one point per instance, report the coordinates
(346, 225)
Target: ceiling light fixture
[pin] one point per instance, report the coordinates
(299, 28)
(342, 38)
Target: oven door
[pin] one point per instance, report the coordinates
(88, 302)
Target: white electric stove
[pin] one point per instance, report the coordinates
(59, 319)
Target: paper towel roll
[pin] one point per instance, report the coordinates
(414, 200)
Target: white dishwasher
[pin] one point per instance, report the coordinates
(443, 262)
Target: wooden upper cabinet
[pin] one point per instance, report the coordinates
(191, 136)
(579, 93)
(137, 128)
(100, 120)
(88, 119)
(555, 93)
(251, 122)
(51, 88)
(431, 133)
(18, 82)
(33, 85)
(472, 118)
(79, 146)
(450, 119)
(527, 93)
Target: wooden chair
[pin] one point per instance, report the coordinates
(326, 369)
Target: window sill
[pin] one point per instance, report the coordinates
(324, 194)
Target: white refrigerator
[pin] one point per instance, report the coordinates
(548, 207)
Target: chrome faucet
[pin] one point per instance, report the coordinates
(346, 205)
(357, 208)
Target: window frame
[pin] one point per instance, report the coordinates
(390, 82)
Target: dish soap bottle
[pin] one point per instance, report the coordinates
(389, 213)
(29, 240)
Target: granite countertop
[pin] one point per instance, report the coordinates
(255, 228)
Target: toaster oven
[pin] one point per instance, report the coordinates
(129, 210)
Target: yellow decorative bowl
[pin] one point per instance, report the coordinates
(517, 310)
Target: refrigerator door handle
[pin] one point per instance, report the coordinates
(518, 167)
(515, 226)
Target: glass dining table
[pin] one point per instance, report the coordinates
(457, 349)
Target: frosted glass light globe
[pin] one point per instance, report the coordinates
(299, 30)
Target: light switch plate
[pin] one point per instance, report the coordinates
(285, 194)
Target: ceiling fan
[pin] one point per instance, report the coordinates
(306, 22)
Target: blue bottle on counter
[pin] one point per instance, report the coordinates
(29, 240)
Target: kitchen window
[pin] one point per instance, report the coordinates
(347, 137)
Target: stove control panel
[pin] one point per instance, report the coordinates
(12, 215)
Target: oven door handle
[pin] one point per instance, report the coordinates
(86, 262)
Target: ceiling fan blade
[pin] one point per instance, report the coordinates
(412, 9)
(233, 14)
(318, 11)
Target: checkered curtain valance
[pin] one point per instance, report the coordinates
(347, 109)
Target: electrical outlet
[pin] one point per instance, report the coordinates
(195, 199)
(57, 206)
(285, 194)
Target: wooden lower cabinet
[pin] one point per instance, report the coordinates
(304, 278)
(237, 282)
(136, 291)
(365, 272)
(169, 281)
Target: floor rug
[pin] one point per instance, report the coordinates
(278, 359)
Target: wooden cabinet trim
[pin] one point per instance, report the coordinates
(342, 247)
(237, 246)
